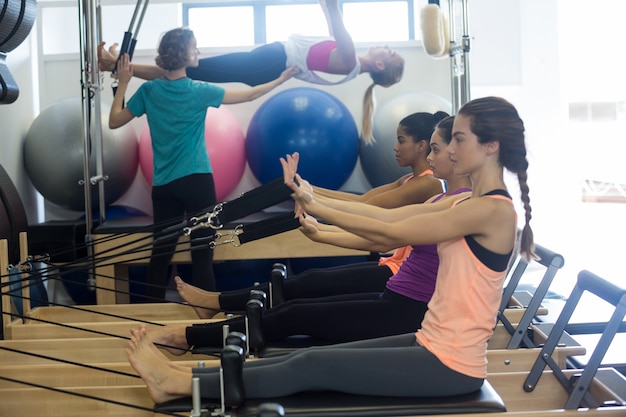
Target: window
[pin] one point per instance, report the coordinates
(234, 23)
(253, 22)
(221, 26)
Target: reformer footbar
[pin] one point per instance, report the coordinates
(519, 334)
(578, 387)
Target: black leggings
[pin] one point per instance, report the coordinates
(341, 318)
(363, 277)
(390, 366)
(172, 201)
(259, 66)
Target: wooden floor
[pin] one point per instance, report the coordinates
(128, 395)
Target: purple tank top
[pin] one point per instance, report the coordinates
(417, 274)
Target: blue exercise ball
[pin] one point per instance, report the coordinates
(311, 122)
(378, 158)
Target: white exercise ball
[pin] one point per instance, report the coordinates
(54, 154)
(377, 158)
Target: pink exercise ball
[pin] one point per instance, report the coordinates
(226, 145)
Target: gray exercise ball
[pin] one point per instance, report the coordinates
(54, 150)
(378, 158)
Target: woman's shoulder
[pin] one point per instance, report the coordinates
(422, 181)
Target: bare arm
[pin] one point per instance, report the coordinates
(371, 211)
(249, 94)
(415, 191)
(365, 197)
(396, 194)
(343, 58)
(108, 57)
(290, 166)
(335, 236)
(119, 115)
(491, 221)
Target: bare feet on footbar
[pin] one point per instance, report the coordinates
(205, 303)
(163, 382)
(171, 338)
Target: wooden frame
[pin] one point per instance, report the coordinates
(291, 244)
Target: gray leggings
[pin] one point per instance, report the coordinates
(389, 366)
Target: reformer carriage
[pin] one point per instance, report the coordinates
(507, 373)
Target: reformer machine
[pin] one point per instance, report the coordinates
(521, 328)
(214, 217)
(580, 386)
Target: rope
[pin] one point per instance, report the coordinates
(91, 397)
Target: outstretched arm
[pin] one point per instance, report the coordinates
(108, 57)
(428, 223)
(343, 58)
(290, 166)
(249, 94)
(395, 194)
(336, 236)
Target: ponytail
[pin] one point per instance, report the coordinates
(368, 114)
(527, 246)
(390, 75)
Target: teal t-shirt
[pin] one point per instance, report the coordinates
(176, 112)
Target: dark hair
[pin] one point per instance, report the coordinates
(493, 119)
(445, 129)
(421, 125)
(174, 49)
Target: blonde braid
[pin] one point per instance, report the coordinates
(368, 114)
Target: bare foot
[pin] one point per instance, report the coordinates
(161, 355)
(171, 338)
(163, 382)
(205, 303)
(107, 58)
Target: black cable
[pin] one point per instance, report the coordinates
(67, 362)
(102, 313)
(91, 397)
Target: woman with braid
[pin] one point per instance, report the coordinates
(396, 308)
(475, 238)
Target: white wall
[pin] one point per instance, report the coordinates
(60, 78)
(515, 54)
(495, 61)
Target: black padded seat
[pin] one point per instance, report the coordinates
(333, 404)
